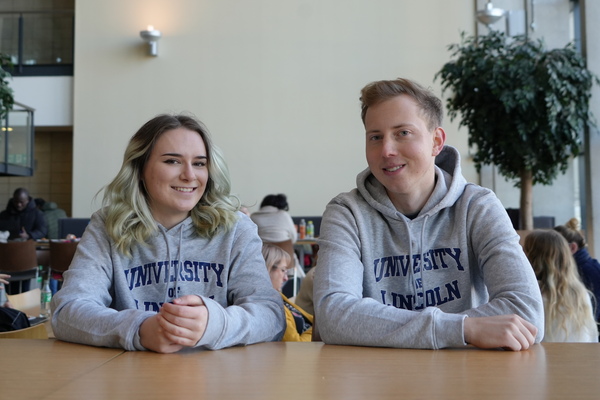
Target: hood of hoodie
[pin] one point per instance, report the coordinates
(450, 184)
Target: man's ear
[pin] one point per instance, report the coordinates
(439, 139)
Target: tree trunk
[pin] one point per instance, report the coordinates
(526, 200)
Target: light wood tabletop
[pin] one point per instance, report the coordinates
(32, 369)
(304, 371)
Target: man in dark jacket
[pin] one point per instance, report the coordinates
(22, 218)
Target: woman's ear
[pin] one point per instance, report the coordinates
(573, 246)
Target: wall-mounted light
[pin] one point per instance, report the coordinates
(151, 37)
(490, 14)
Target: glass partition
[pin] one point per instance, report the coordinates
(16, 142)
(40, 43)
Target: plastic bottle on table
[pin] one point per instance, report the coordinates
(40, 281)
(45, 298)
(310, 230)
(302, 230)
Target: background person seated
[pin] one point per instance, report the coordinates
(275, 224)
(273, 220)
(298, 322)
(588, 267)
(22, 218)
(52, 214)
(304, 298)
(567, 303)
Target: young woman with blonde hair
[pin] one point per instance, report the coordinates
(169, 262)
(567, 303)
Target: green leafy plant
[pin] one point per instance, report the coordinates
(525, 106)
(6, 93)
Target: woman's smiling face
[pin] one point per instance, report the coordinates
(175, 175)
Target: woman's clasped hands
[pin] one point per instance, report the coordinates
(177, 325)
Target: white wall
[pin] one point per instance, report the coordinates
(51, 97)
(276, 82)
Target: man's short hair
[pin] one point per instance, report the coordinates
(379, 91)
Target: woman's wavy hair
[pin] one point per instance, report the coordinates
(129, 220)
(565, 297)
(572, 233)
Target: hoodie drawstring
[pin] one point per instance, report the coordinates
(164, 234)
(423, 248)
(419, 301)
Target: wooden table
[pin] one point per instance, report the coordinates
(32, 369)
(50, 369)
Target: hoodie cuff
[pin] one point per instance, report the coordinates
(214, 325)
(449, 330)
(136, 343)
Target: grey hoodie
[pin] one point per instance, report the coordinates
(386, 280)
(106, 296)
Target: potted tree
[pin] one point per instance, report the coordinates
(6, 93)
(525, 106)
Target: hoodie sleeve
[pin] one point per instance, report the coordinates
(81, 309)
(255, 309)
(344, 316)
(497, 255)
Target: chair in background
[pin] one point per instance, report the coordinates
(522, 235)
(61, 255)
(33, 332)
(19, 259)
(27, 302)
(539, 222)
(75, 226)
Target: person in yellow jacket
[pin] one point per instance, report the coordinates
(299, 323)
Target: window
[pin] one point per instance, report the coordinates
(38, 36)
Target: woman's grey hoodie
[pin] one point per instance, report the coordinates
(106, 296)
(385, 280)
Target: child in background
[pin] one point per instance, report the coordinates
(567, 303)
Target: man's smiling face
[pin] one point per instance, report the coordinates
(401, 150)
